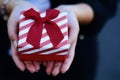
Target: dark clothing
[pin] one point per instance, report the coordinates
(103, 10)
(84, 64)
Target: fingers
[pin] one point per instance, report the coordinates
(13, 38)
(18, 63)
(12, 24)
(49, 67)
(44, 64)
(37, 65)
(72, 21)
(56, 68)
(73, 34)
(12, 32)
(12, 27)
(53, 68)
(68, 61)
(32, 66)
(73, 27)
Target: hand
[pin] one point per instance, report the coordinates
(12, 32)
(55, 68)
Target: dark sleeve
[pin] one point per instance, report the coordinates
(103, 10)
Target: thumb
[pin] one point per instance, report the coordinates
(12, 27)
(12, 33)
(73, 27)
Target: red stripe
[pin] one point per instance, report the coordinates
(26, 26)
(60, 45)
(22, 20)
(63, 26)
(46, 42)
(43, 44)
(22, 45)
(24, 35)
(60, 19)
(54, 53)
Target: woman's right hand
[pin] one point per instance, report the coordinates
(14, 7)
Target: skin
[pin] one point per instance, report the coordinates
(78, 13)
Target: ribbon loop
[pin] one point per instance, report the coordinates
(35, 32)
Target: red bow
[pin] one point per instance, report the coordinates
(35, 32)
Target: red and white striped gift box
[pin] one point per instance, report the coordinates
(46, 52)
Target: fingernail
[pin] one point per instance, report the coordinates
(15, 44)
(22, 70)
(37, 70)
(55, 74)
(48, 73)
(33, 71)
(63, 71)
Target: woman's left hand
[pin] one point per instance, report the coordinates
(55, 68)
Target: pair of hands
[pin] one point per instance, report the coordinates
(52, 67)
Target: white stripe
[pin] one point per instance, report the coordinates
(60, 15)
(56, 50)
(26, 22)
(62, 22)
(40, 49)
(44, 31)
(25, 47)
(27, 30)
(24, 39)
(24, 31)
(30, 46)
(22, 16)
(44, 39)
(22, 24)
(64, 30)
(43, 14)
(65, 38)
(21, 41)
(29, 21)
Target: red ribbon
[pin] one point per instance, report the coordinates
(35, 32)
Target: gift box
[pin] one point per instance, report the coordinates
(43, 36)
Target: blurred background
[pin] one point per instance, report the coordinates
(109, 49)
